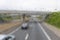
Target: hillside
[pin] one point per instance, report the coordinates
(54, 19)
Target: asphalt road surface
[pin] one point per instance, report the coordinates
(36, 31)
(33, 33)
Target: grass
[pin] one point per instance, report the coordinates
(54, 19)
(39, 17)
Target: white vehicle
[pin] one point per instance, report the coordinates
(24, 26)
(7, 37)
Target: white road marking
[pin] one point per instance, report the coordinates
(14, 31)
(27, 35)
(44, 32)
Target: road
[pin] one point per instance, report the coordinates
(36, 31)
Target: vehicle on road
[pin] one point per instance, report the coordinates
(7, 37)
(25, 25)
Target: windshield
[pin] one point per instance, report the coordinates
(30, 19)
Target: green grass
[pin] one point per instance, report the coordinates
(5, 18)
(54, 19)
(39, 17)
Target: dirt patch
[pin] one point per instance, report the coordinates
(9, 25)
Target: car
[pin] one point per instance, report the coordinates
(25, 26)
(7, 37)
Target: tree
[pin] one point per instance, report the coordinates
(24, 17)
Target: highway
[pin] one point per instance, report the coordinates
(36, 31)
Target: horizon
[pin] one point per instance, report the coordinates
(30, 5)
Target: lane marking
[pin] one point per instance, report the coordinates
(45, 32)
(27, 35)
(14, 30)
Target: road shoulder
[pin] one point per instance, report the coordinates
(52, 28)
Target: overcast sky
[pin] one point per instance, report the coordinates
(35, 5)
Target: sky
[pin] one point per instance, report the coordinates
(31, 5)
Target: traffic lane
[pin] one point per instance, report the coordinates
(23, 34)
(36, 33)
(50, 33)
(20, 34)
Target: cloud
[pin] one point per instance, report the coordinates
(29, 4)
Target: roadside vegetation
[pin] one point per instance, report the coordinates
(8, 21)
(54, 19)
(39, 17)
(5, 18)
(8, 18)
